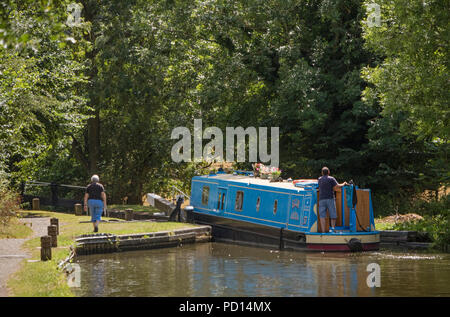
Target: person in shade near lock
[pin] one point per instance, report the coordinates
(327, 186)
(95, 199)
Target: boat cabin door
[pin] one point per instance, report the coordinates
(299, 208)
(221, 199)
(295, 211)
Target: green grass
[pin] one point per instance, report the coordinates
(137, 208)
(15, 230)
(381, 225)
(43, 279)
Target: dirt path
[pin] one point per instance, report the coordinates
(12, 253)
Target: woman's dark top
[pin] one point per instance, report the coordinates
(95, 191)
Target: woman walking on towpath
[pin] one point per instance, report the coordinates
(95, 199)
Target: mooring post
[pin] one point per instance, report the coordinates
(128, 214)
(46, 248)
(55, 222)
(281, 246)
(54, 190)
(51, 231)
(36, 204)
(78, 210)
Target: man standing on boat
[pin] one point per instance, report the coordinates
(327, 186)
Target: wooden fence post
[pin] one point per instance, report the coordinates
(46, 248)
(54, 190)
(128, 214)
(36, 204)
(78, 210)
(51, 231)
(55, 222)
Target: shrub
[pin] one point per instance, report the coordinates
(9, 203)
(436, 221)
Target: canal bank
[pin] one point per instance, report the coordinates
(108, 243)
(37, 278)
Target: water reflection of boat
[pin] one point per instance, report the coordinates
(253, 211)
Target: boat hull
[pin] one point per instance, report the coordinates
(361, 241)
(257, 235)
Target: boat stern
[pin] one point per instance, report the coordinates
(343, 241)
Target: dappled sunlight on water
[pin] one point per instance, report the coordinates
(218, 269)
(409, 256)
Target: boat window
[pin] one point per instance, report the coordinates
(258, 203)
(239, 200)
(218, 200)
(223, 200)
(275, 207)
(205, 195)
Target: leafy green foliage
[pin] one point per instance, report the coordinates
(408, 144)
(103, 96)
(9, 204)
(436, 221)
(39, 91)
(413, 75)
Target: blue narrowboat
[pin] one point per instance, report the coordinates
(245, 209)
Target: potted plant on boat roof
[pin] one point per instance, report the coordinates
(264, 171)
(275, 173)
(256, 169)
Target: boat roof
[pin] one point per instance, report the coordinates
(250, 180)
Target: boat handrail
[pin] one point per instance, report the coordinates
(240, 172)
(180, 191)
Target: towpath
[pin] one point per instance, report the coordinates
(12, 253)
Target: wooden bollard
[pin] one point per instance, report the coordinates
(36, 205)
(128, 214)
(51, 231)
(55, 222)
(78, 210)
(46, 248)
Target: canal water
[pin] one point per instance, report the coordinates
(219, 269)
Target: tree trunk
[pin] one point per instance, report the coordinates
(94, 142)
(90, 11)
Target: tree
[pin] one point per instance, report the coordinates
(292, 64)
(410, 86)
(39, 91)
